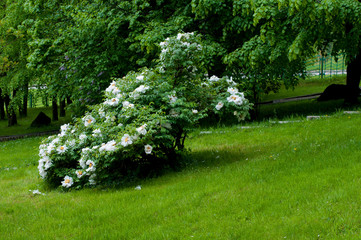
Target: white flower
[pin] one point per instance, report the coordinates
(43, 150)
(236, 99)
(219, 105)
(125, 104)
(109, 146)
(47, 163)
(194, 111)
(141, 89)
(101, 112)
(111, 87)
(88, 120)
(172, 98)
(82, 163)
(68, 181)
(148, 149)
(186, 44)
(79, 173)
(64, 127)
(138, 187)
(116, 91)
(131, 105)
(97, 133)
(91, 166)
(85, 150)
(82, 136)
(112, 102)
(140, 78)
(61, 149)
(36, 192)
(55, 141)
(231, 82)
(179, 36)
(126, 140)
(232, 91)
(92, 179)
(70, 143)
(214, 78)
(142, 130)
(50, 147)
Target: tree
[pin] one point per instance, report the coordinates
(292, 31)
(14, 75)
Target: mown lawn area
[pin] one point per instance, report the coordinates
(306, 86)
(24, 123)
(298, 180)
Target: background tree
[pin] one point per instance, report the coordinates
(15, 76)
(290, 32)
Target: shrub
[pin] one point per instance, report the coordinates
(143, 120)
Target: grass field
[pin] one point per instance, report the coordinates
(24, 123)
(300, 180)
(308, 86)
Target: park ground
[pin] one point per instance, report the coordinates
(271, 179)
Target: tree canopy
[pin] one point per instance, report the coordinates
(75, 47)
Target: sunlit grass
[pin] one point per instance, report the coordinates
(299, 180)
(307, 86)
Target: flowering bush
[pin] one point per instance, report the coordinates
(143, 120)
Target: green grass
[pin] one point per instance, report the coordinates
(25, 122)
(308, 86)
(271, 181)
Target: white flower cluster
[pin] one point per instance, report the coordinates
(59, 145)
(235, 97)
(183, 39)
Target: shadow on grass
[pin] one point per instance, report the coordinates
(302, 109)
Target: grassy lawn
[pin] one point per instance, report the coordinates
(24, 123)
(299, 180)
(308, 86)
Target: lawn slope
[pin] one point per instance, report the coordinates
(299, 180)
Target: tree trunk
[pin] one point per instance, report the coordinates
(353, 79)
(2, 103)
(55, 109)
(62, 107)
(68, 101)
(24, 107)
(12, 119)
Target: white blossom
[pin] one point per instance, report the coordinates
(112, 102)
(88, 120)
(140, 78)
(141, 89)
(172, 98)
(232, 91)
(79, 173)
(126, 140)
(148, 149)
(91, 166)
(142, 130)
(82, 136)
(68, 181)
(97, 133)
(219, 105)
(61, 149)
(214, 78)
(235, 99)
(111, 87)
